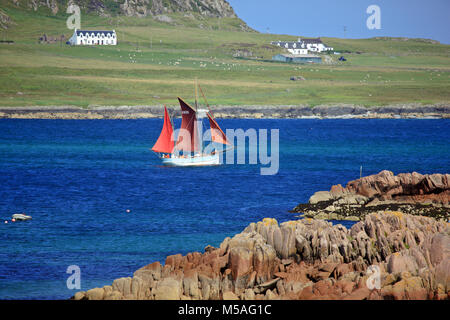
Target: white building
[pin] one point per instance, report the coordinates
(292, 47)
(86, 37)
(315, 45)
(302, 46)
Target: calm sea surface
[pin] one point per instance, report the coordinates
(77, 178)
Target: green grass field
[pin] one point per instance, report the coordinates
(155, 62)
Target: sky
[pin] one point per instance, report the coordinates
(348, 18)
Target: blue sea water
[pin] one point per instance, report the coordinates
(77, 178)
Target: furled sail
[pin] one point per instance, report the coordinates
(217, 134)
(188, 140)
(165, 143)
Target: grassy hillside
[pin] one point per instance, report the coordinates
(154, 62)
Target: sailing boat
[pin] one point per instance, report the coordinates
(189, 149)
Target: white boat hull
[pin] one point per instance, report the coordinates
(209, 160)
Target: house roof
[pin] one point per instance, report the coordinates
(290, 45)
(300, 44)
(317, 40)
(94, 31)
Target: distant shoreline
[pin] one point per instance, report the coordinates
(343, 111)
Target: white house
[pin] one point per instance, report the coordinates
(302, 46)
(87, 37)
(292, 47)
(315, 45)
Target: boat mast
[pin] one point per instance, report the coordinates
(206, 101)
(200, 115)
(196, 95)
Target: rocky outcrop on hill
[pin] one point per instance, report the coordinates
(5, 20)
(139, 8)
(224, 112)
(36, 4)
(414, 193)
(389, 255)
(212, 8)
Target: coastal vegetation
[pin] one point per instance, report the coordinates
(156, 61)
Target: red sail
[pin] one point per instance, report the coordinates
(188, 137)
(164, 143)
(217, 134)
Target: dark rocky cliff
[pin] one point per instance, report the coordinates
(211, 8)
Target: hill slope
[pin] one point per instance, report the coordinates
(175, 12)
(158, 59)
(212, 8)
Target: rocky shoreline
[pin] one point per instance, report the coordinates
(413, 193)
(409, 111)
(401, 254)
(388, 255)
